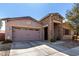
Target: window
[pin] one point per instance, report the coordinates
(66, 32)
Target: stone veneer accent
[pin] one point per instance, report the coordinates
(50, 20)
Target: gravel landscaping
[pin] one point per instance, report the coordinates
(5, 49)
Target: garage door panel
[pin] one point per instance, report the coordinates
(23, 35)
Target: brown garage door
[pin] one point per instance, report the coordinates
(26, 34)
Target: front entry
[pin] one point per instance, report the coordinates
(46, 33)
(56, 31)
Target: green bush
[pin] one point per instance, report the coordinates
(7, 41)
(53, 40)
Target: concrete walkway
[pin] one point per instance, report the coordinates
(42, 48)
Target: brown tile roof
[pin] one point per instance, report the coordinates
(25, 17)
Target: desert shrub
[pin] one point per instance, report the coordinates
(7, 41)
(53, 40)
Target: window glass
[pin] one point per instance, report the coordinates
(66, 32)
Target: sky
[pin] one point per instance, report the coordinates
(35, 10)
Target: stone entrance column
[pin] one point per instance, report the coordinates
(50, 29)
(61, 30)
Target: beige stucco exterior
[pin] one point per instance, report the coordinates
(53, 21)
(66, 26)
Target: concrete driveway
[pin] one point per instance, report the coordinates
(39, 48)
(32, 48)
(42, 48)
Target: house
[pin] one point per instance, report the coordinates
(27, 28)
(2, 35)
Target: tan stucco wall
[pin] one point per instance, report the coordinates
(68, 36)
(21, 23)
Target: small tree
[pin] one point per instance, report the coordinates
(73, 18)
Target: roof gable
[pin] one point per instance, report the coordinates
(52, 14)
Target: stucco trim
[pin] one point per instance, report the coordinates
(55, 21)
(45, 25)
(28, 27)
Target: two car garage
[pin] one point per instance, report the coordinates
(25, 34)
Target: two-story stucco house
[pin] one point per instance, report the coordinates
(27, 28)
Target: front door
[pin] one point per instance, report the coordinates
(56, 31)
(46, 33)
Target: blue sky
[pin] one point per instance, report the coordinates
(37, 10)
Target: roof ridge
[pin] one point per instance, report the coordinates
(18, 17)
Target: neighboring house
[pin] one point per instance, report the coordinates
(27, 28)
(2, 35)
